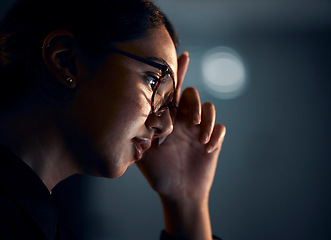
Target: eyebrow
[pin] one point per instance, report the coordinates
(162, 61)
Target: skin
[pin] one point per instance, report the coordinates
(108, 107)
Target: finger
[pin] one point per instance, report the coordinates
(208, 115)
(216, 138)
(173, 113)
(183, 61)
(190, 106)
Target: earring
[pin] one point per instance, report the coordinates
(45, 46)
(69, 80)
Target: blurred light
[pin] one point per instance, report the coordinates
(224, 73)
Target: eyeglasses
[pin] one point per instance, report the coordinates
(164, 87)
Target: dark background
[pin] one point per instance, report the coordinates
(273, 177)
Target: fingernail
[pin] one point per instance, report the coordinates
(210, 149)
(204, 139)
(196, 119)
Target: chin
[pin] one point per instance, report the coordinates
(118, 174)
(108, 174)
(117, 171)
(110, 164)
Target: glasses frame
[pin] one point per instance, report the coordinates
(165, 70)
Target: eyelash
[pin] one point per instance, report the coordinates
(152, 83)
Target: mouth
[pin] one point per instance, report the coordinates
(140, 146)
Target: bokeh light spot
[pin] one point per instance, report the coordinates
(224, 73)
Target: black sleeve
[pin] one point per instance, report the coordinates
(166, 236)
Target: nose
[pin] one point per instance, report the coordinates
(162, 125)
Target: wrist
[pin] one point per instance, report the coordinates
(185, 203)
(185, 196)
(187, 218)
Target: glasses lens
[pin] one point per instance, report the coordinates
(164, 94)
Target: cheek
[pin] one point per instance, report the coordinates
(112, 108)
(119, 111)
(132, 98)
(132, 111)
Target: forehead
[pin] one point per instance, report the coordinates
(156, 44)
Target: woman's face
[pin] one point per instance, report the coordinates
(112, 123)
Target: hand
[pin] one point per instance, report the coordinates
(183, 167)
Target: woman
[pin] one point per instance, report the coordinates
(91, 89)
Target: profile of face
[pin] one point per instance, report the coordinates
(110, 118)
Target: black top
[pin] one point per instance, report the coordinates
(27, 209)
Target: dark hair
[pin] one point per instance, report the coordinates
(92, 23)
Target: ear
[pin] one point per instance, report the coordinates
(59, 55)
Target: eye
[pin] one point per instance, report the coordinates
(152, 79)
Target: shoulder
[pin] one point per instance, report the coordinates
(15, 223)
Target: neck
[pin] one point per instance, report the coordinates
(31, 133)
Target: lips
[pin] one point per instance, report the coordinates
(140, 145)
